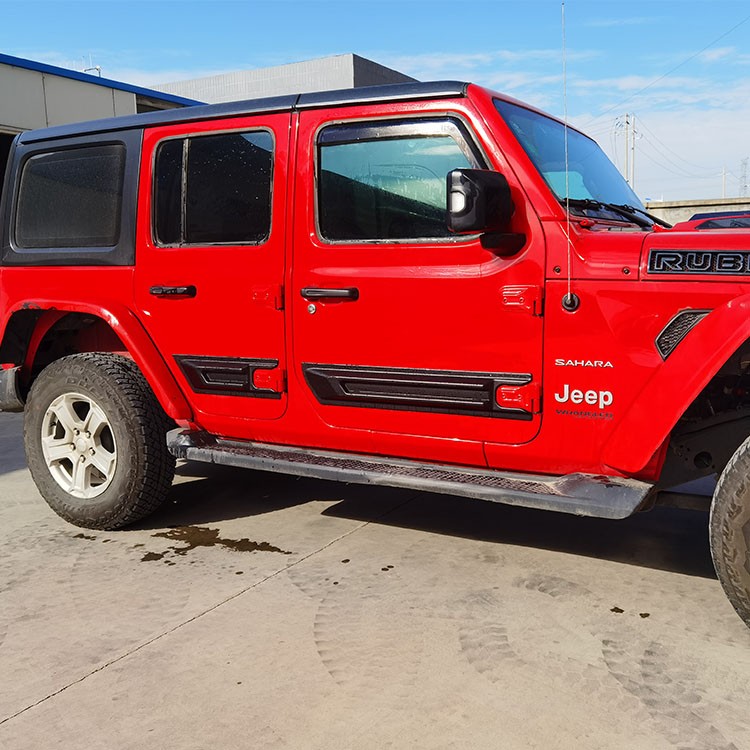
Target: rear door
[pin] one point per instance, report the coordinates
(400, 329)
(210, 263)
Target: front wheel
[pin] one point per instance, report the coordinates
(95, 439)
(729, 527)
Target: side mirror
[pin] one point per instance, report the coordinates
(478, 201)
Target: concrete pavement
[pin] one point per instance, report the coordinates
(260, 611)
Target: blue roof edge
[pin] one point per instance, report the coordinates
(20, 62)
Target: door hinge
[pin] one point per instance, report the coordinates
(268, 296)
(527, 298)
(270, 380)
(526, 398)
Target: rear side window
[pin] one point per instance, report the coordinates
(387, 180)
(214, 189)
(71, 198)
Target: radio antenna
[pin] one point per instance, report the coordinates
(570, 301)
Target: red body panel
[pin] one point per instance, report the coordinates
(106, 293)
(421, 305)
(599, 397)
(234, 312)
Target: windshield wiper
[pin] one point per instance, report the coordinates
(635, 209)
(637, 215)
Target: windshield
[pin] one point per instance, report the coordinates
(591, 175)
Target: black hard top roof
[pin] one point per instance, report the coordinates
(288, 103)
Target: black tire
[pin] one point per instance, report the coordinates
(729, 527)
(108, 392)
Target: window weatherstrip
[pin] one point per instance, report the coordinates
(185, 137)
(462, 135)
(183, 189)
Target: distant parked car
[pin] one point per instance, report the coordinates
(725, 220)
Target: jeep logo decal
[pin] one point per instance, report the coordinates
(592, 398)
(699, 261)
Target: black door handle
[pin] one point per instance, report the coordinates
(311, 292)
(173, 291)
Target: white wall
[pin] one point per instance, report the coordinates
(674, 211)
(31, 99)
(323, 74)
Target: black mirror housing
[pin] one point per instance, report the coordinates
(478, 201)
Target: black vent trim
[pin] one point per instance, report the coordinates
(439, 391)
(226, 376)
(676, 330)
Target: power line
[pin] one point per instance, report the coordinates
(671, 151)
(599, 130)
(613, 144)
(671, 70)
(674, 163)
(681, 173)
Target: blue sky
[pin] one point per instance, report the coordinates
(681, 67)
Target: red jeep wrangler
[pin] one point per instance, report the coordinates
(423, 285)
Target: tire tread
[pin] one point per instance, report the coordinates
(730, 514)
(145, 416)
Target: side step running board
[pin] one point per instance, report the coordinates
(580, 494)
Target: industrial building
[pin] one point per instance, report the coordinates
(674, 211)
(37, 95)
(324, 74)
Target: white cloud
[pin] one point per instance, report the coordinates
(714, 55)
(604, 23)
(118, 66)
(671, 93)
(480, 66)
(631, 82)
(58, 60)
(513, 81)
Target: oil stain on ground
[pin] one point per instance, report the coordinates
(192, 537)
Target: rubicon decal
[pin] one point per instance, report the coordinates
(583, 363)
(601, 399)
(736, 262)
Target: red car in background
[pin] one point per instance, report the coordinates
(722, 220)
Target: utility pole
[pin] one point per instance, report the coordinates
(629, 127)
(724, 181)
(627, 124)
(627, 148)
(632, 156)
(743, 178)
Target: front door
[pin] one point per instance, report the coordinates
(210, 263)
(408, 341)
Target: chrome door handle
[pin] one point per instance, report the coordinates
(311, 292)
(173, 291)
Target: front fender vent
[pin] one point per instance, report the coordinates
(676, 330)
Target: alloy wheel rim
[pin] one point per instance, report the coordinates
(79, 446)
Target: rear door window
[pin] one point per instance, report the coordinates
(214, 189)
(71, 198)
